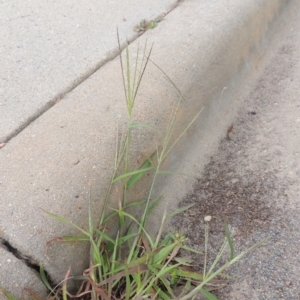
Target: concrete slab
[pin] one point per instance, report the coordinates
(13, 279)
(53, 163)
(49, 47)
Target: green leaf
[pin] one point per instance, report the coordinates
(73, 239)
(191, 249)
(189, 274)
(96, 256)
(160, 293)
(133, 204)
(229, 240)
(121, 217)
(163, 270)
(44, 278)
(128, 284)
(208, 295)
(137, 222)
(7, 294)
(164, 253)
(114, 254)
(136, 203)
(105, 236)
(146, 166)
(123, 239)
(129, 174)
(186, 261)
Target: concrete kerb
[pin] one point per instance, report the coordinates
(53, 163)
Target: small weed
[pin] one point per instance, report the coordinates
(144, 25)
(132, 264)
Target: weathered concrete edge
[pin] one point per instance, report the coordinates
(210, 129)
(224, 83)
(236, 59)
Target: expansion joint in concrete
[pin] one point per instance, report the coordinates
(59, 96)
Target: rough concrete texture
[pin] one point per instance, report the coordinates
(9, 264)
(49, 47)
(253, 180)
(203, 46)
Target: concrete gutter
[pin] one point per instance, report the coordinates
(203, 46)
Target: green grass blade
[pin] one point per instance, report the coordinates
(189, 274)
(91, 225)
(143, 69)
(71, 238)
(221, 269)
(138, 279)
(136, 203)
(167, 286)
(159, 234)
(187, 248)
(136, 67)
(132, 250)
(186, 261)
(217, 258)
(141, 260)
(164, 253)
(180, 210)
(64, 287)
(121, 63)
(169, 79)
(105, 236)
(63, 220)
(7, 294)
(180, 136)
(133, 204)
(208, 295)
(145, 166)
(129, 92)
(129, 174)
(128, 284)
(138, 223)
(125, 238)
(114, 254)
(164, 270)
(44, 278)
(229, 240)
(160, 293)
(96, 255)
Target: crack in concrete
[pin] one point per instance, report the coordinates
(27, 260)
(59, 96)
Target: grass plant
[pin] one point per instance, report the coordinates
(132, 264)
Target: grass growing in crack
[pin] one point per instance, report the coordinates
(132, 264)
